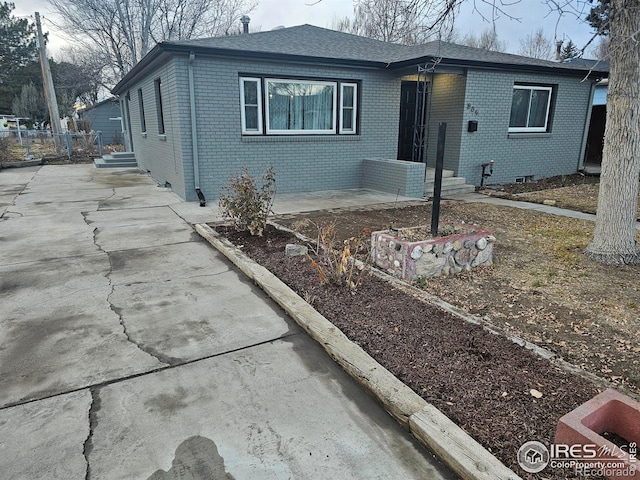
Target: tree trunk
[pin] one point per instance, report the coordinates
(614, 239)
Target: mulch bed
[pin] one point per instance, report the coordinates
(480, 380)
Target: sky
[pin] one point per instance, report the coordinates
(528, 16)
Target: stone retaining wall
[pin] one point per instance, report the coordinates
(447, 255)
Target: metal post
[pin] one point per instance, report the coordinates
(19, 132)
(437, 188)
(26, 137)
(100, 146)
(68, 136)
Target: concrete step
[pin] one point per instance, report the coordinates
(446, 182)
(123, 155)
(453, 191)
(431, 174)
(114, 163)
(111, 158)
(450, 186)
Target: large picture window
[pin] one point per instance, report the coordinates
(297, 107)
(530, 107)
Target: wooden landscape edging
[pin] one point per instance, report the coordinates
(461, 453)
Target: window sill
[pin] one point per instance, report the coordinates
(299, 138)
(162, 137)
(529, 135)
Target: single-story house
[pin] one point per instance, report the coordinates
(104, 117)
(332, 110)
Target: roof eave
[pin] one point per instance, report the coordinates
(453, 63)
(164, 48)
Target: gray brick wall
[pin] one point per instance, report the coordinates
(488, 100)
(447, 105)
(311, 163)
(394, 176)
(302, 163)
(161, 155)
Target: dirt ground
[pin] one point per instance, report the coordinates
(573, 192)
(541, 287)
(502, 394)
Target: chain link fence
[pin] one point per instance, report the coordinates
(20, 144)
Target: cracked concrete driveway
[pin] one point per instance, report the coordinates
(130, 349)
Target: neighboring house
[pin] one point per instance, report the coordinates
(104, 117)
(317, 103)
(598, 120)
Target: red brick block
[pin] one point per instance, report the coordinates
(610, 412)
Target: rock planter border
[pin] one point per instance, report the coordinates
(435, 257)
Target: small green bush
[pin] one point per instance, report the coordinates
(246, 205)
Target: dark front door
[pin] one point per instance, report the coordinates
(407, 119)
(407, 140)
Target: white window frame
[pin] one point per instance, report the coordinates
(354, 112)
(258, 82)
(330, 131)
(546, 120)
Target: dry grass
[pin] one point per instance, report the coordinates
(541, 287)
(581, 198)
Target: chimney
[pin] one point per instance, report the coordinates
(245, 23)
(559, 50)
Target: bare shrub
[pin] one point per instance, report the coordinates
(340, 263)
(246, 205)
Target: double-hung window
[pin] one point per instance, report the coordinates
(251, 99)
(297, 107)
(530, 108)
(348, 107)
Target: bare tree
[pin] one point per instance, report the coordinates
(601, 50)
(92, 72)
(121, 32)
(614, 239)
(487, 40)
(536, 45)
(400, 21)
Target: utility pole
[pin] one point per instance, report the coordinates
(47, 82)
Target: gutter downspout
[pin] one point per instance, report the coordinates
(585, 132)
(194, 132)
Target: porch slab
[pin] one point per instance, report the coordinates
(328, 199)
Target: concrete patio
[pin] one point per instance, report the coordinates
(129, 349)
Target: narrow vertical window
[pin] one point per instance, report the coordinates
(348, 107)
(143, 122)
(251, 105)
(159, 111)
